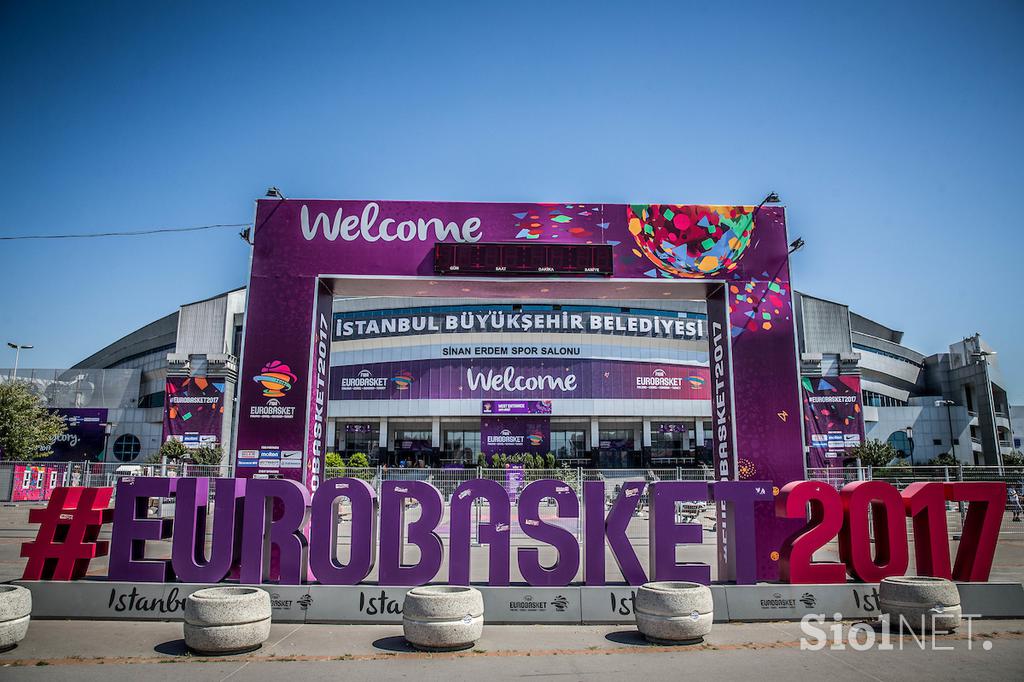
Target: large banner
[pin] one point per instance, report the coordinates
(517, 435)
(833, 418)
(535, 378)
(82, 440)
(194, 410)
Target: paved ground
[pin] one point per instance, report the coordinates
(83, 650)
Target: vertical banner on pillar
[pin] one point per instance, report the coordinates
(723, 437)
(319, 367)
(765, 389)
(274, 384)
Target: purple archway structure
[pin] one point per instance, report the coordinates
(734, 257)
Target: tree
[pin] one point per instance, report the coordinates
(172, 451)
(358, 461)
(25, 425)
(1013, 459)
(334, 461)
(945, 459)
(209, 455)
(874, 453)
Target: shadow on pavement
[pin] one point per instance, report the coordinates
(630, 637)
(175, 647)
(396, 643)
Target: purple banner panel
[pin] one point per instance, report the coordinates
(516, 407)
(518, 435)
(194, 410)
(82, 440)
(833, 418)
(503, 378)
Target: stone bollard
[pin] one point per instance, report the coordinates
(674, 612)
(443, 617)
(227, 620)
(15, 610)
(924, 602)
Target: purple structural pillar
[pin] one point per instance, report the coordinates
(494, 532)
(597, 528)
(264, 530)
(740, 500)
(422, 533)
(567, 563)
(191, 514)
(133, 527)
(665, 534)
(323, 541)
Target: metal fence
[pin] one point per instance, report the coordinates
(901, 477)
(34, 481)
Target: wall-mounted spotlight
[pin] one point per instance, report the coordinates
(796, 245)
(274, 193)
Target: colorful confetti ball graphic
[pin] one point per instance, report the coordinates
(691, 241)
(747, 470)
(536, 438)
(276, 378)
(402, 380)
(696, 383)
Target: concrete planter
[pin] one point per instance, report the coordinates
(443, 617)
(227, 620)
(673, 612)
(925, 603)
(15, 610)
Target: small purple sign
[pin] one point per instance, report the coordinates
(516, 407)
(671, 427)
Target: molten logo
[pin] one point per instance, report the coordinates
(276, 378)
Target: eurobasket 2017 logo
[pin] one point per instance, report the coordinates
(276, 378)
(691, 241)
(402, 380)
(535, 439)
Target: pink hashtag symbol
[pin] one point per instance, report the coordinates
(68, 528)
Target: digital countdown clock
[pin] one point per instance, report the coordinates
(522, 259)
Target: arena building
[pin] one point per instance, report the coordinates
(604, 383)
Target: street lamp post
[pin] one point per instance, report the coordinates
(17, 355)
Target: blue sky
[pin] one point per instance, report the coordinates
(891, 130)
